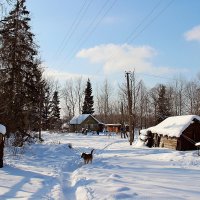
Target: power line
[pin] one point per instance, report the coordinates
(143, 20)
(71, 27)
(86, 4)
(156, 76)
(150, 22)
(133, 37)
(95, 24)
(94, 20)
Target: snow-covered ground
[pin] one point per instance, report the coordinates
(52, 170)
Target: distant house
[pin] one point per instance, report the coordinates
(113, 127)
(85, 121)
(178, 132)
(116, 127)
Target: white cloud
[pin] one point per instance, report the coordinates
(193, 34)
(116, 58)
(62, 76)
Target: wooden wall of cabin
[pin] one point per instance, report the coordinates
(113, 128)
(91, 124)
(91, 127)
(168, 142)
(193, 133)
(156, 139)
(165, 141)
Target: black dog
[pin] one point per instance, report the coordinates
(87, 157)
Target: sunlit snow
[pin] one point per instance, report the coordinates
(52, 170)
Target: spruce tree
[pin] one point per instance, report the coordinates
(88, 101)
(46, 108)
(22, 84)
(55, 111)
(163, 104)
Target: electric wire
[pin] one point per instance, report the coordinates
(132, 37)
(82, 12)
(89, 31)
(93, 21)
(143, 20)
(156, 76)
(94, 24)
(71, 28)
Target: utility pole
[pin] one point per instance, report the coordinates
(129, 92)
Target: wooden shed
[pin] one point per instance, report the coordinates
(177, 132)
(113, 127)
(85, 121)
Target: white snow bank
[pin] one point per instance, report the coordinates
(53, 171)
(172, 126)
(139, 143)
(2, 129)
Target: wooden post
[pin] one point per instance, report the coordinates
(198, 148)
(129, 108)
(1, 149)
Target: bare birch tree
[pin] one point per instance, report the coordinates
(192, 97)
(104, 99)
(73, 93)
(178, 96)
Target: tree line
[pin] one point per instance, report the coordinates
(27, 102)
(150, 106)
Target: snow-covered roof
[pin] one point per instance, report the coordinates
(172, 126)
(113, 124)
(79, 119)
(197, 144)
(2, 129)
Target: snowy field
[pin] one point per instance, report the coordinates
(52, 170)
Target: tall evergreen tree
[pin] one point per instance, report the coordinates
(88, 101)
(46, 108)
(55, 111)
(163, 104)
(22, 84)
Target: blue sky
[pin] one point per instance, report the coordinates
(104, 38)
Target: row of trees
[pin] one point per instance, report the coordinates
(149, 105)
(27, 101)
(78, 98)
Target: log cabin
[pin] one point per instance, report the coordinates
(85, 122)
(177, 132)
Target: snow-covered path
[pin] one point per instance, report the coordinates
(52, 170)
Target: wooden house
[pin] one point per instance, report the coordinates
(85, 122)
(177, 132)
(116, 127)
(113, 127)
